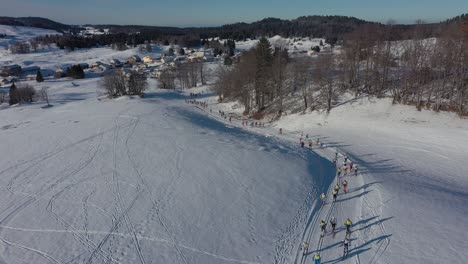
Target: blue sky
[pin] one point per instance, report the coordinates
(219, 12)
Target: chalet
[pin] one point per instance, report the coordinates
(197, 56)
(134, 59)
(11, 70)
(96, 64)
(31, 70)
(31, 77)
(116, 63)
(148, 59)
(60, 73)
(5, 81)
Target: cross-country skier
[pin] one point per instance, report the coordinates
(323, 226)
(334, 161)
(335, 193)
(339, 172)
(310, 143)
(345, 247)
(348, 224)
(305, 248)
(281, 131)
(345, 185)
(337, 188)
(333, 223)
(350, 166)
(302, 144)
(355, 170)
(317, 258)
(323, 197)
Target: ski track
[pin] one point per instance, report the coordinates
(309, 229)
(25, 202)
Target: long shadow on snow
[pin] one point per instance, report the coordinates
(352, 197)
(374, 223)
(363, 187)
(320, 169)
(376, 167)
(351, 254)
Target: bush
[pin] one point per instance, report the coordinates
(23, 93)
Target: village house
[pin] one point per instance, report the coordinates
(31, 77)
(11, 70)
(96, 64)
(148, 59)
(197, 56)
(60, 73)
(115, 63)
(134, 59)
(31, 70)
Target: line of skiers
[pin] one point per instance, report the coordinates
(347, 164)
(253, 124)
(204, 105)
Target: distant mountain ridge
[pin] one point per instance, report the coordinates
(305, 26)
(37, 22)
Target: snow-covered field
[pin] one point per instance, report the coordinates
(147, 181)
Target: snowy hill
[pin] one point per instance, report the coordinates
(408, 200)
(20, 33)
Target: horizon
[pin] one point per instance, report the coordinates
(213, 13)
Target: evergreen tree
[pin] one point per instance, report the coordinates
(181, 51)
(171, 52)
(76, 72)
(13, 93)
(264, 61)
(39, 77)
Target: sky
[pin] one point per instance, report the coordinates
(184, 13)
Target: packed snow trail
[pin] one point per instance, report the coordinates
(149, 181)
(353, 204)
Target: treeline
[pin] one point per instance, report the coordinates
(119, 40)
(186, 75)
(427, 73)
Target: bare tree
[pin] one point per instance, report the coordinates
(115, 84)
(301, 79)
(324, 68)
(167, 78)
(137, 84)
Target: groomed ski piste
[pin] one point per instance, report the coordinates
(406, 201)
